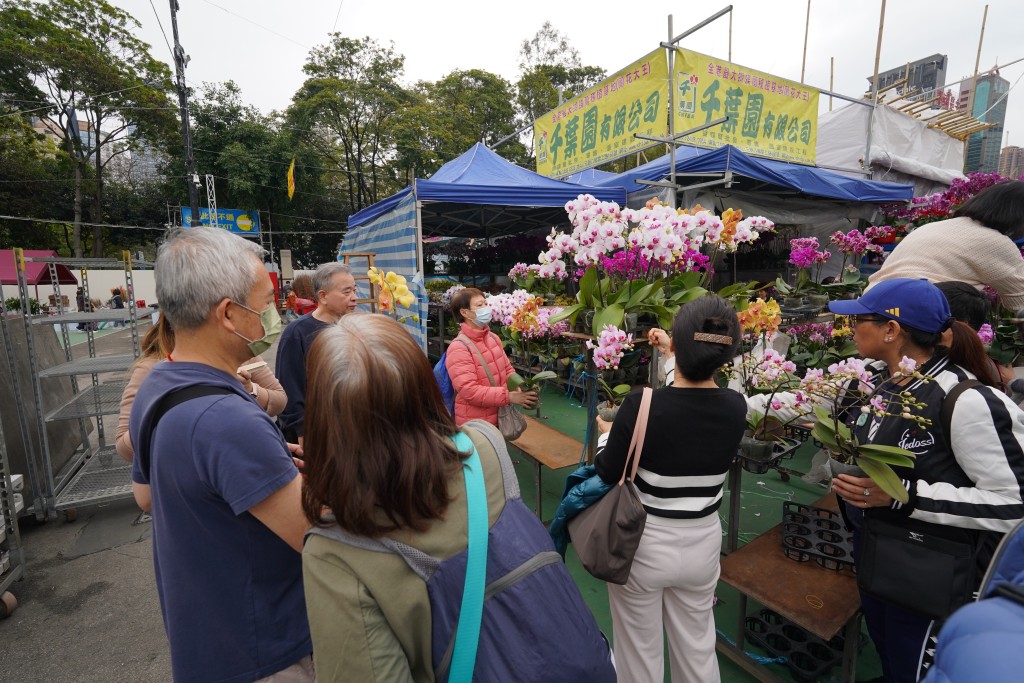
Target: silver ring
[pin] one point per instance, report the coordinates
(867, 492)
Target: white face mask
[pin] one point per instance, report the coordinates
(483, 315)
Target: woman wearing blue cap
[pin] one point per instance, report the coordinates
(971, 478)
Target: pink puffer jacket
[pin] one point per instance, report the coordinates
(475, 398)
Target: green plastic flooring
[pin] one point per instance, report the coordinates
(761, 509)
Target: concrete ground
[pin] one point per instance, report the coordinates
(87, 607)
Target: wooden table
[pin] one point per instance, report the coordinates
(822, 601)
(547, 447)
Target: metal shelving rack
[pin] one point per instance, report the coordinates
(94, 474)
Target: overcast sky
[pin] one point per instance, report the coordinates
(262, 44)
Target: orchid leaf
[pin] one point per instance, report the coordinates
(514, 380)
(609, 315)
(622, 296)
(851, 277)
(588, 284)
(688, 295)
(542, 376)
(892, 455)
(825, 436)
(641, 295)
(886, 479)
(569, 312)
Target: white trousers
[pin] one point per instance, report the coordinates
(671, 586)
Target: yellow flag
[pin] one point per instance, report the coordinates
(291, 179)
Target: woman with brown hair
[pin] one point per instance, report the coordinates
(386, 491)
(157, 345)
(306, 300)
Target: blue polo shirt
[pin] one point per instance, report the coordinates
(230, 589)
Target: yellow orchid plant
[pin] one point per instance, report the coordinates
(393, 292)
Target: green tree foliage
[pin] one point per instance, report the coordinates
(548, 64)
(94, 76)
(346, 112)
(248, 153)
(31, 173)
(468, 107)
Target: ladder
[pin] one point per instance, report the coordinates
(368, 255)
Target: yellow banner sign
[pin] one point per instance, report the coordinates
(599, 125)
(768, 116)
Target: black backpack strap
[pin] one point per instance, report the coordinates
(949, 403)
(170, 400)
(1011, 591)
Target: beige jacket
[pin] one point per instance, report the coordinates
(959, 249)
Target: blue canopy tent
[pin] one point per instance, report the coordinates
(590, 176)
(762, 175)
(478, 194)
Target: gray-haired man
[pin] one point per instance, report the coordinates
(217, 474)
(335, 289)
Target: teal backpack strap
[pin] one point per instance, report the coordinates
(467, 635)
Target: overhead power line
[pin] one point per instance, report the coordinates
(265, 28)
(69, 221)
(167, 42)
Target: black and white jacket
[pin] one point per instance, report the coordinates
(979, 484)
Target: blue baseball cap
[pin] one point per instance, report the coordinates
(914, 303)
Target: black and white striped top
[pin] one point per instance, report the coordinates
(692, 437)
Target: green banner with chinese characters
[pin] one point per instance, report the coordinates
(768, 116)
(599, 125)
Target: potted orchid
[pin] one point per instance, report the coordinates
(809, 258)
(612, 343)
(663, 266)
(854, 245)
(827, 396)
(818, 345)
(527, 330)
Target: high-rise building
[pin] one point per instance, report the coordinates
(926, 75)
(989, 106)
(1011, 162)
(55, 134)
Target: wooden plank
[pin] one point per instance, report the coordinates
(814, 598)
(548, 446)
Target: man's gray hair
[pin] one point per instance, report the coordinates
(198, 267)
(322, 276)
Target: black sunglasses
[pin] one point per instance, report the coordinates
(866, 318)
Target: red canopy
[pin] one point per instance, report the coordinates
(37, 273)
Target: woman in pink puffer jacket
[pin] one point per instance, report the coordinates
(476, 397)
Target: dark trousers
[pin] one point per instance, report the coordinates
(899, 635)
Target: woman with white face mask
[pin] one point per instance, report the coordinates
(477, 363)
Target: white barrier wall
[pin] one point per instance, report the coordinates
(102, 281)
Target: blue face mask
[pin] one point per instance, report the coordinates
(483, 315)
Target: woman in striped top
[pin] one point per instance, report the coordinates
(692, 436)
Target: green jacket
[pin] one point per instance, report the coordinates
(369, 614)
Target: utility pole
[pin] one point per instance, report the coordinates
(180, 61)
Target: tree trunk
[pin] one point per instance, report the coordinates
(78, 209)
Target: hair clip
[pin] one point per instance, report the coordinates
(712, 338)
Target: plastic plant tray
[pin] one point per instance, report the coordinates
(815, 533)
(808, 657)
(782, 451)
